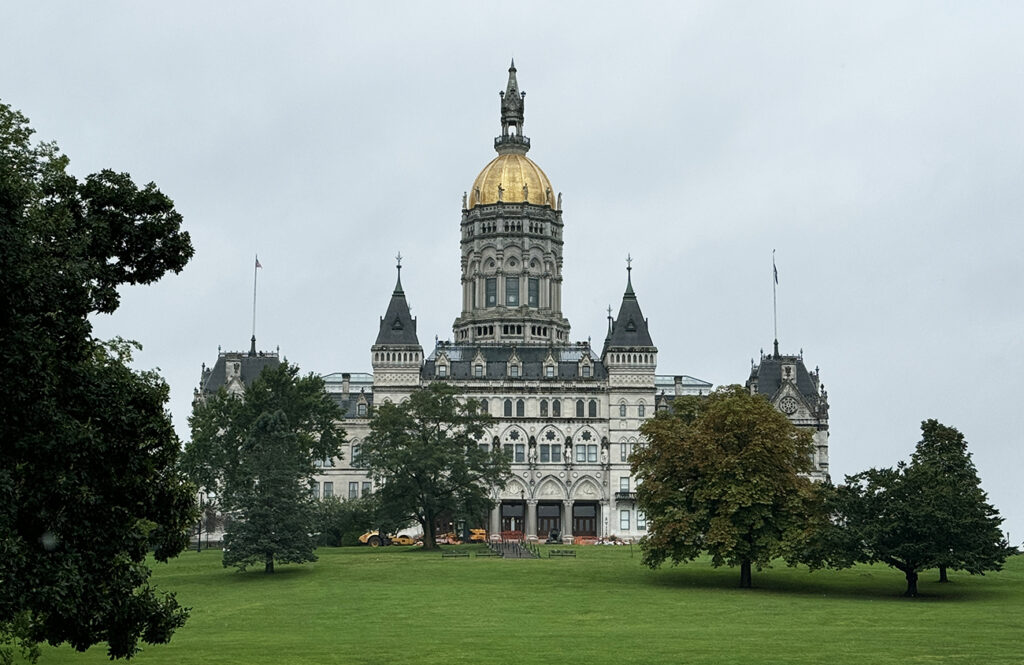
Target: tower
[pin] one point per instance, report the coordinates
(397, 354)
(511, 242)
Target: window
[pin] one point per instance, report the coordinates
(483, 447)
(622, 410)
(624, 484)
(593, 408)
(353, 490)
(556, 452)
(556, 408)
(314, 490)
(520, 452)
(360, 409)
(367, 488)
(586, 371)
(483, 406)
(549, 371)
(328, 490)
(491, 291)
(545, 452)
(513, 371)
(508, 408)
(625, 449)
(581, 453)
(640, 413)
(592, 453)
(641, 521)
(442, 370)
(579, 408)
(533, 292)
(478, 371)
(512, 292)
(355, 455)
(520, 408)
(624, 520)
(543, 407)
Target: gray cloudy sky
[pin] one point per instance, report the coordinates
(879, 147)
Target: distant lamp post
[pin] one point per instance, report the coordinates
(202, 516)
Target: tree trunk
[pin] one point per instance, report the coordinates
(911, 583)
(429, 537)
(942, 574)
(745, 582)
(269, 564)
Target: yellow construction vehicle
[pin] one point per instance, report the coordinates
(375, 539)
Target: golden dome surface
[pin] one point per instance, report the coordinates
(511, 171)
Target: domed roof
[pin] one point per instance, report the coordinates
(511, 171)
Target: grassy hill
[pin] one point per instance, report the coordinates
(400, 605)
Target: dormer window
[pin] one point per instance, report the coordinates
(586, 371)
(478, 371)
(549, 371)
(513, 371)
(361, 410)
(442, 371)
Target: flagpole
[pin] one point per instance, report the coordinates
(255, 270)
(775, 309)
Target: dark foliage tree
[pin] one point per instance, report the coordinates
(926, 514)
(340, 522)
(87, 452)
(256, 455)
(722, 475)
(425, 454)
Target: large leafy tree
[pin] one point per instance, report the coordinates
(256, 455)
(425, 453)
(722, 474)
(926, 514)
(88, 455)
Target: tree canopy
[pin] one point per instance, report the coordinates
(926, 514)
(256, 455)
(88, 455)
(426, 455)
(722, 474)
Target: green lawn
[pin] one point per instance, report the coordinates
(361, 605)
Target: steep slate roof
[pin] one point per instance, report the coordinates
(496, 359)
(398, 326)
(250, 367)
(630, 327)
(769, 377)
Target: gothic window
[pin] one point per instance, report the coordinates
(478, 371)
(543, 408)
(624, 451)
(511, 291)
(556, 408)
(483, 406)
(513, 371)
(586, 371)
(592, 453)
(442, 371)
(622, 410)
(640, 411)
(491, 291)
(508, 408)
(360, 409)
(549, 371)
(581, 453)
(593, 408)
(545, 453)
(533, 292)
(520, 408)
(483, 447)
(556, 452)
(579, 408)
(520, 452)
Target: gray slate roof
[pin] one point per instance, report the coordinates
(250, 367)
(629, 329)
(398, 326)
(496, 360)
(769, 377)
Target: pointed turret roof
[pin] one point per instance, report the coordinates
(397, 326)
(629, 328)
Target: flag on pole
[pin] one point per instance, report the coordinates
(775, 271)
(260, 265)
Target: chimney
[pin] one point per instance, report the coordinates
(679, 386)
(345, 378)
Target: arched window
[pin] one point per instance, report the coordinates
(579, 408)
(556, 408)
(508, 408)
(622, 410)
(593, 408)
(483, 406)
(520, 408)
(640, 410)
(543, 408)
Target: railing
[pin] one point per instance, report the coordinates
(625, 496)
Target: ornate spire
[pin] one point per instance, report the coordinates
(397, 326)
(629, 276)
(512, 103)
(398, 284)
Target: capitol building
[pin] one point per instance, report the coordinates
(567, 414)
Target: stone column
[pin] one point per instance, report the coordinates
(495, 525)
(531, 520)
(604, 520)
(567, 521)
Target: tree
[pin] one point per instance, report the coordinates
(966, 527)
(340, 522)
(931, 512)
(426, 454)
(722, 474)
(87, 452)
(256, 455)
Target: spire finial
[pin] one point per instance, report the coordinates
(512, 67)
(252, 346)
(629, 274)
(512, 102)
(398, 265)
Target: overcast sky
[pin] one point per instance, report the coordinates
(878, 147)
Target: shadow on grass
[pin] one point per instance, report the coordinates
(863, 583)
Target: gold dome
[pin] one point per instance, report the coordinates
(511, 171)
